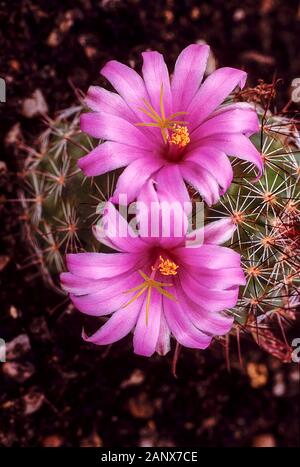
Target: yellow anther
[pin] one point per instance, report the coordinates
(167, 267)
(180, 136)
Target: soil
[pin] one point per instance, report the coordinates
(55, 389)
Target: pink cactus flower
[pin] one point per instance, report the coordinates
(173, 131)
(157, 287)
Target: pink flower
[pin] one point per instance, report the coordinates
(171, 131)
(157, 287)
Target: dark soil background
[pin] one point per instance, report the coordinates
(54, 389)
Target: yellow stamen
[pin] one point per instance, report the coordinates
(135, 297)
(148, 285)
(167, 267)
(161, 103)
(148, 304)
(160, 121)
(152, 281)
(180, 136)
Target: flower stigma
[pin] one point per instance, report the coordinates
(180, 134)
(166, 268)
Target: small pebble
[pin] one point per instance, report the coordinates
(265, 440)
(34, 105)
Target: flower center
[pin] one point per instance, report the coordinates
(147, 285)
(180, 136)
(167, 267)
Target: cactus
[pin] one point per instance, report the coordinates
(60, 206)
(59, 203)
(267, 216)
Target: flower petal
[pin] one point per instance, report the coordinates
(163, 345)
(171, 179)
(118, 326)
(113, 128)
(212, 93)
(109, 156)
(219, 231)
(242, 106)
(209, 299)
(101, 265)
(216, 324)
(213, 323)
(235, 145)
(146, 332)
(113, 230)
(156, 78)
(212, 256)
(101, 100)
(110, 296)
(219, 279)
(127, 82)
(182, 328)
(134, 177)
(78, 285)
(161, 218)
(98, 297)
(215, 162)
(188, 73)
(230, 121)
(202, 181)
